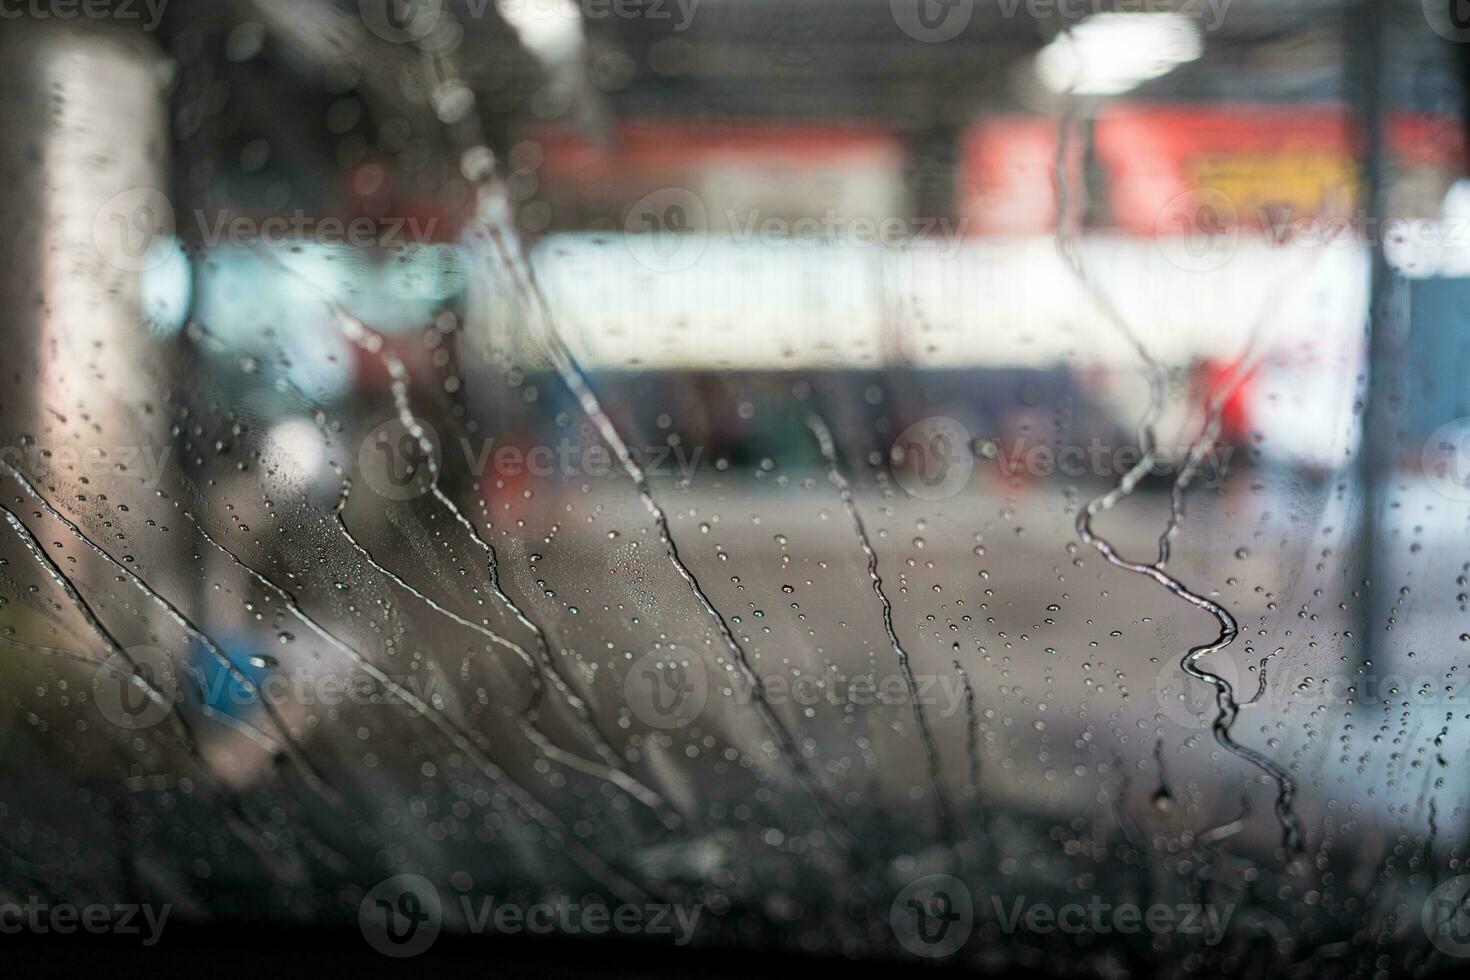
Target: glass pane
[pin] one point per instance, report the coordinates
(977, 482)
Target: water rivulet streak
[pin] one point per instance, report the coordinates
(461, 739)
(344, 496)
(1225, 703)
(613, 768)
(972, 732)
(493, 232)
(926, 734)
(293, 750)
(235, 817)
(1226, 706)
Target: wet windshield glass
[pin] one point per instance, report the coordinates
(898, 481)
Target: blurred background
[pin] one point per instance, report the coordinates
(743, 455)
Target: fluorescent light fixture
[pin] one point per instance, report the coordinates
(995, 302)
(549, 29)
(1111, 53)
